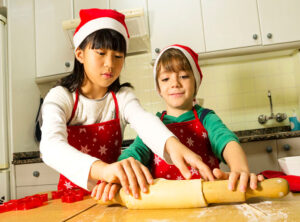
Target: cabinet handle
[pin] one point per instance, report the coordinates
(286, 147)
(36, 173)
(269, 35)
(157, 50)
(255, 36)
(67, 64)
(269, 149)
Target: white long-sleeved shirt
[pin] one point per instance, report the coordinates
(56, 112)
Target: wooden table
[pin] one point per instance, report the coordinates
(285, 209)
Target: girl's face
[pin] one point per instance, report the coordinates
(177, 89)
(102, 67)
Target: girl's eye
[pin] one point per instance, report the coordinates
(119, 56)
(165, 79)
(101, 53)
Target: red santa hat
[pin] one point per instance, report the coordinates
(191, 56)
(95, 19)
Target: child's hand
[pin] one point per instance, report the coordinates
(244, 178)
(105, 191)
(129, 172)
(183, 157)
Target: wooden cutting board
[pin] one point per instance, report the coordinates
(285, 209)
(53, 210)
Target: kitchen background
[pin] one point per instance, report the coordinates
(237, 75)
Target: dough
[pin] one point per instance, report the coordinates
(164, 194)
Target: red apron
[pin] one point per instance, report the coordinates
(100, 140)
(193, 135)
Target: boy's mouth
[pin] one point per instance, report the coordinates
(176, 94)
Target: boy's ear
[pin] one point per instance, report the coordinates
(79, 55)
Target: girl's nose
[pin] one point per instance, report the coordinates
(109, 63)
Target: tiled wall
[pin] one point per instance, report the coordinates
(237, 91)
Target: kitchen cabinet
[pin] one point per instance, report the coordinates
(175, 22)
(263, 155)
(279, 21)
(54, 53)
(288, 147)
(127, 4)
(218, 28)
(34, 178)
(83, 4)
(230, 24)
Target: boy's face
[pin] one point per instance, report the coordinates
(176, 88)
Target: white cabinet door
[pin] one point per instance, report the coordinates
(84, 4)
(175, 22)
(279, 20)
(127, 4)
(54, 53)
(230, 24)
(288, 147)
(261, 155)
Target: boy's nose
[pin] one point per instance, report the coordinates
(175, 82)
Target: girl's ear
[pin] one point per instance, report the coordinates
(79, 55)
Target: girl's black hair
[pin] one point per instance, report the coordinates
(103, 38)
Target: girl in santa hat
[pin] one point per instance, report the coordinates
(85, 115)
(177, 78)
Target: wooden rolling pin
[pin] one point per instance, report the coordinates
(196, 193)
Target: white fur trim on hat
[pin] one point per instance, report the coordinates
(97, 24)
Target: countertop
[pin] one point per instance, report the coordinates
(285, 209)
(243, 135)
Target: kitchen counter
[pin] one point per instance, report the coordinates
(285, 209)
(243, 135)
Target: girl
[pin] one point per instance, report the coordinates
(178, 76)
(85, 116)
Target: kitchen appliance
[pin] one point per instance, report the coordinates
(4, 161)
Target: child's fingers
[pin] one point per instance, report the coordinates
(253, 181)
(244, 178)
(94, 191)
(105, 195)
(131, 177)
(100, 189)
(260, 178)
(206, 173)
(136, 166)
(147, 174)
(220, 175)
(113, 190)
(121, 174)
(182, 166)
(233, 177)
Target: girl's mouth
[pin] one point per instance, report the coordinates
(107, 75)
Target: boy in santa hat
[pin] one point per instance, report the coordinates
(177, 79)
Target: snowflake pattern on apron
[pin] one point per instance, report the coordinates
(193, 135)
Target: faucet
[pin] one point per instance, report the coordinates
(279, 117)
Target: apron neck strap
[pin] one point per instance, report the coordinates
(194, 111)
(116, 104)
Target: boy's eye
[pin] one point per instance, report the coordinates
(165, 79)
(185, 76)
